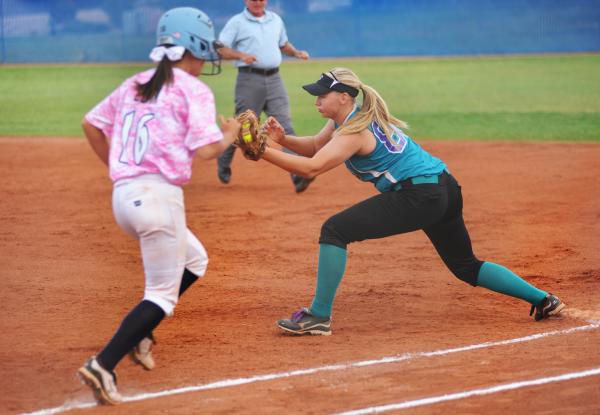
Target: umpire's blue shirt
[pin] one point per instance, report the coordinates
(258, 36)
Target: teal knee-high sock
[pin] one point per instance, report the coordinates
(500, 279)
(332, 264)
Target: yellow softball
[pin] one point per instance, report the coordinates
(246, 136)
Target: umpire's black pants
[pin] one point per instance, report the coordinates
(434, 208)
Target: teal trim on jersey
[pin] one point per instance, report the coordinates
(393, 160)
(332, 265)
(502, 280)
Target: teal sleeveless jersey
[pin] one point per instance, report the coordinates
(393, 161)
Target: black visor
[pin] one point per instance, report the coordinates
(327, 84)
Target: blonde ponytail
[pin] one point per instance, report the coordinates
(373, 107)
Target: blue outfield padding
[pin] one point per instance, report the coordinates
(114, 30)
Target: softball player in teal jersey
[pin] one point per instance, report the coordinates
(416, 192)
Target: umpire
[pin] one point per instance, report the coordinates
(255, 38)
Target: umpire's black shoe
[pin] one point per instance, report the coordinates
(301, 183)
(224, 174)
(549, 306)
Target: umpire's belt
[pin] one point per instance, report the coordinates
(441, 178)
(258, 71)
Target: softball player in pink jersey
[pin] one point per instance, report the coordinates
(147, 131)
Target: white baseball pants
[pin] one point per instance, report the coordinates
(152, 210)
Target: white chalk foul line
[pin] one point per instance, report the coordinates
(273, 376)
(474, 392)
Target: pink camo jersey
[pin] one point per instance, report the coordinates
(159, 136)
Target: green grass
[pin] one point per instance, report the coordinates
(486, 98)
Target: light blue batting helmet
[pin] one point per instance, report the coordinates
(190, 28)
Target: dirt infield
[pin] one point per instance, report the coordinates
(69, 275)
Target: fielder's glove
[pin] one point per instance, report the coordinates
(251, 139)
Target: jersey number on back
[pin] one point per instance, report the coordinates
(142, 137)
(396, 144)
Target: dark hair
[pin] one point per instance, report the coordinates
(162, 76)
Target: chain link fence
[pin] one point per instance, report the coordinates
(117, 31)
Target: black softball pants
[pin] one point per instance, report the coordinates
(436, 208)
